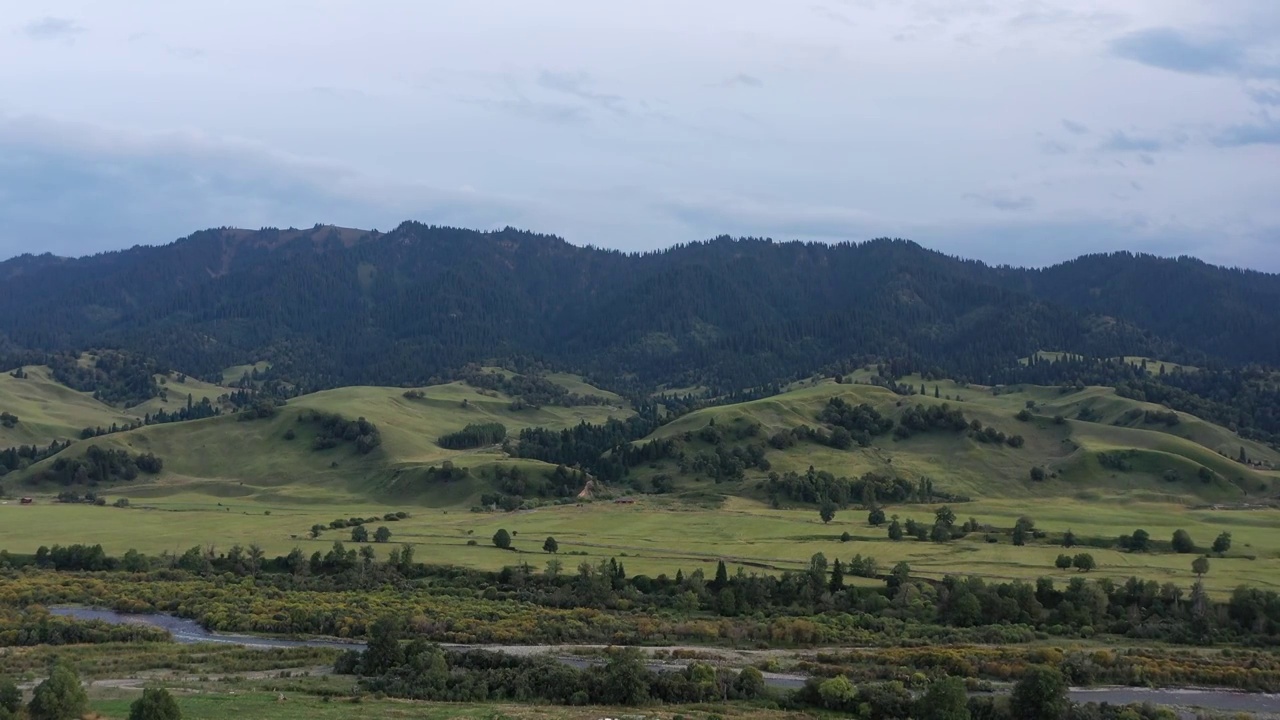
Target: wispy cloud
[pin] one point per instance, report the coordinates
(1263, 133)
(832, 15)
(1121, 141)
(743, 80)
(1264, 96)
(61, 184)
(1175, 50)
(52, 28)
(1055, 147)
(578, 85)
(1006, 203)
(1074, 127)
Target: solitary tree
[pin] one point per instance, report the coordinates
(60, 697)
(1084, 562)
(876, 517)
(1041, 694)
(1068, 539)
(382, 534)
(359, 534)
(899, 575)
(946, 699)
(1200, 566)
(940, 532)
(895, 530)
(827, 511)
(1063, 562)
(1222, 543)
(155, 704)
(317, 529)
(1140, 541)
(1019, 535)
(837, 577)
(551, 546)
(383, 651)
(1182, 542)
(945, 515)
(502, 539)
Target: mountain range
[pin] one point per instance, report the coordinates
(332, 306)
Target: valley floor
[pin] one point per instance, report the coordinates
(653, 536)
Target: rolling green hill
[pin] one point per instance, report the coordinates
(48, 410)
(230, 481)
(273, 457)
(1152, 460)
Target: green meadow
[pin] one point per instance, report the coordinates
(229, 482)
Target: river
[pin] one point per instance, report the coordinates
(189, 631)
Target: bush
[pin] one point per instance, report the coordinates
(155, 704)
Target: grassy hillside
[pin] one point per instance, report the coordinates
(1164, 462)
(48, 410)
(227, 481)
(273, 457)
(174, 389)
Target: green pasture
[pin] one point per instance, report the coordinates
(653, 537)
(228, 482)
(48, 410)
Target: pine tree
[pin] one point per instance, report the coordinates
(837, 577)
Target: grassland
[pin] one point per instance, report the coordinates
(48, 410)
(228, 482)
(653, 536)
(223, 458)
(1069, 451)
(234, 373)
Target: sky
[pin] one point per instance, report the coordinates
(1012, 131)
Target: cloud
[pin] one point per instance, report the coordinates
(709, 216)
(1074, 127)
(1264, 133)
(72, 188)
(1264, 96)
(576, 85)
(1018, 239)
(52, 28)
(1121, 141)
(521, 105)
(1171, 49)
(1054, 147)
(744, 80)
(1004, 203)
(832, 15)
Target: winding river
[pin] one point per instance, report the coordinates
(189, 631)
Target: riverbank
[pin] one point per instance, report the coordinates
(677, 657)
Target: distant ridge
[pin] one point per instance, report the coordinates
(336, 306)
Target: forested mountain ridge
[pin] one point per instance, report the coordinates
(1225, 312)
(330, 306)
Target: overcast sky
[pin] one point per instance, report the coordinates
(1021, 131)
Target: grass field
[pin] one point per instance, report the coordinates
(48, 410)
(961, 465)
(653, 537)
(229, 482)
(225, 458)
